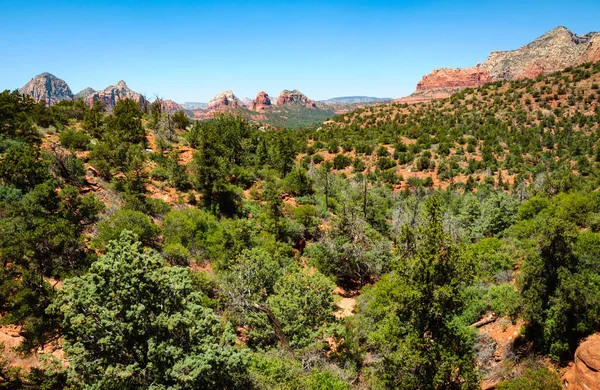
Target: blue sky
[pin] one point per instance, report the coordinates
(191, 50)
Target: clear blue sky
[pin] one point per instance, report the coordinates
(191, 50)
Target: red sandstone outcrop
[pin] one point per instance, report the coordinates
(224, 101)
(47, 87)
(170, 106)
(114, 94)
(584, 374)
(262, 102)
(454, 78)
(552, 52)
(294, 97)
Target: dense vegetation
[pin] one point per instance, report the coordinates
(159, 253)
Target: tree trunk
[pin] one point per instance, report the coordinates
(276, 327)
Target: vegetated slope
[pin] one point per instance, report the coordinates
(256, 233)
(513, 129)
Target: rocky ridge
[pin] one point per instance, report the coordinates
(296, 97)
(554, 51)
(224, 101)
(47, 87)
(114, 94)
(170, 106)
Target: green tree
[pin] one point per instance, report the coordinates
(124, 219)
(407, 316)
(133, 322)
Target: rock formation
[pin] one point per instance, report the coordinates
(552, 52)
(170, 106)
(47, 87)
(84, 94)
(224, 101)
(584, 374)
(294, 97)
(262, 102)
(114, 94)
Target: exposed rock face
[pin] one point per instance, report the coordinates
(170, 106)
(294, 97)
(557, 49)
(552, 52)
(224, 101)
(584, 374)
(454, 78)
(262, 102)
(247, 102)
(84, 94)
(47, 87)
(114, 94)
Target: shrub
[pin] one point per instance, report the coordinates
(341, 162)
(75, 140)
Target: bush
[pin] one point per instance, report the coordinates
(539, 379)
(298, 183)
(318, 158)
(384, 163)
(503, 300)
(124, 219)
(341, 162)
(75, 140)
(177, 254)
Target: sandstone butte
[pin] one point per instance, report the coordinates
(223, 101)
(584, 373)
(552, 52)
(294, 97)
(261, 103)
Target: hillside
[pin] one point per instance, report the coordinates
(327, 257)
(554, 51)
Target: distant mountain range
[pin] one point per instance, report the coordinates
(354, 100)
(552, 52)
(194, 106)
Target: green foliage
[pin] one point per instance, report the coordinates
(341, 161)
(120, 320)
(23, 167)
(75, 140)
(273, 370)
(298, 183)
(538, 379)
(559, 284)
(134, 221)
(407, 315)
(503, 299)
(304, 305)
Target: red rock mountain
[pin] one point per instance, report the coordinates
(170, 106)
(47, 87)
(261, 103)
(554, 51)
(84, 94)
(294, 97)
(115, 93)
(224, 101)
